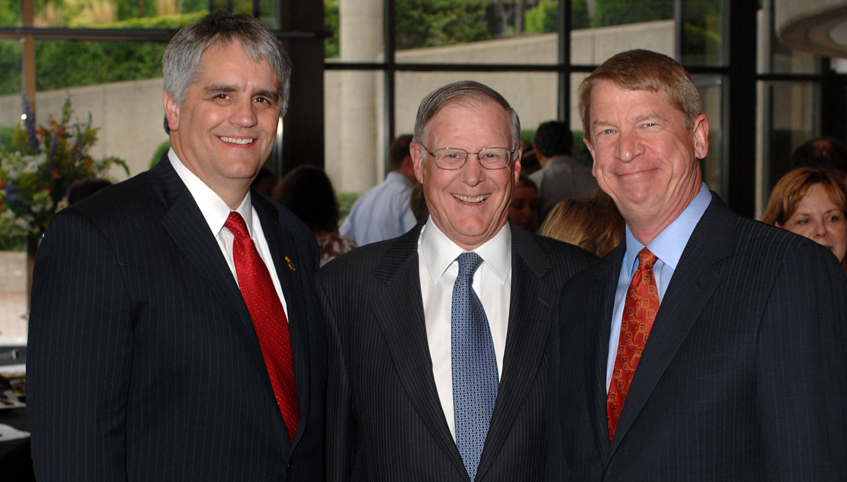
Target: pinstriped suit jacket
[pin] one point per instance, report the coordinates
(143, 363)
(384, 418)
(744, 377)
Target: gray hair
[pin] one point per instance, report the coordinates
(181, 62)
(465, 91)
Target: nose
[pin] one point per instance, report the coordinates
(819, 229)
(243, 113)
(472, 172)
(629, 147)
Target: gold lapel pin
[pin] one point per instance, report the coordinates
(290, 266)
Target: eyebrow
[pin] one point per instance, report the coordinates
(650, 116)
(226, 89)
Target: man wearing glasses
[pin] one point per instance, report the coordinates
(438, 338)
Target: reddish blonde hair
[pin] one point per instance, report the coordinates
(643, 70)
(592, 222)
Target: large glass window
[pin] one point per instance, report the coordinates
(13, 260)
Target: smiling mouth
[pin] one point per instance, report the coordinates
(471, 199)
(236, 140)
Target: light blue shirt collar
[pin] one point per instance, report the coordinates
(670, 243)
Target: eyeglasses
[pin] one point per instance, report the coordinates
(452, 158)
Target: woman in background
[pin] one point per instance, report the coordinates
(308, 193)
(812, 202)
(591, 222)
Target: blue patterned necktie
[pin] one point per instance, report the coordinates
(475, 380)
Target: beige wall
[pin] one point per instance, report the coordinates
(12, 272)
(129, 115)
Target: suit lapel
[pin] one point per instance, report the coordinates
(531, 305)
(185, 224)
(283, 251)
(691, 287)
(398, 309)
(598, 329)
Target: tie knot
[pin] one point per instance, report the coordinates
(236, 225)
(646, 259)
(468, 263)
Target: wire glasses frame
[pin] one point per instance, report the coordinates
(452, 158)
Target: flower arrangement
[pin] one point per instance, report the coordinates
(40, 166)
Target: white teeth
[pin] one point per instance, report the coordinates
(470, 199)
(233, 140)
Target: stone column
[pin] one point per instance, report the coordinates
(361, 40)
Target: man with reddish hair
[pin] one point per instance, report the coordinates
(706, 346)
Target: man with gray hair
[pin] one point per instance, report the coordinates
(175, 333)
(437, 359)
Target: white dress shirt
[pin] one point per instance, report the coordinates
(668, 247)
(216, 211)
(492, 283)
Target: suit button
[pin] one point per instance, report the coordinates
(288, 467)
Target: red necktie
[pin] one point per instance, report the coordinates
(640, 308)
(269, 319)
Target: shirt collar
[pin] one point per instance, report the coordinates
(214, 209)
(670, 243)
(438, 251)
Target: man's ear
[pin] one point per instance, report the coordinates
(518, 166)
(417, 160)
(171, 111)
(701, 136)
(587, 143)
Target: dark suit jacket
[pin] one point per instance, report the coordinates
(383, 412)
(744, 375)
(143, 362)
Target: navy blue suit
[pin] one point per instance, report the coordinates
(143, 362)
(744, 375)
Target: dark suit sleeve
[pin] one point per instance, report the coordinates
(340, 437)
(79, 360)
(802, 362)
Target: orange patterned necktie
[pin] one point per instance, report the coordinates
(269, 320)
(640, 308)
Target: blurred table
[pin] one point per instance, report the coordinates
(14, 454)
(15, 458)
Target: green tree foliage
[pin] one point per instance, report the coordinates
(62, 65)
(620, 12)
(331, 50)
(422, 23)
(10, 68)
(542, 17)
(10, 13)
(433, 23)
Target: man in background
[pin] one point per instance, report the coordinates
(561, 176)
(821, 151)
(438, 360)
(384, 212)
(706, 346)
(175, 333)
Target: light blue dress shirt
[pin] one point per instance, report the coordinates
(384, 212)
(667, 247)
